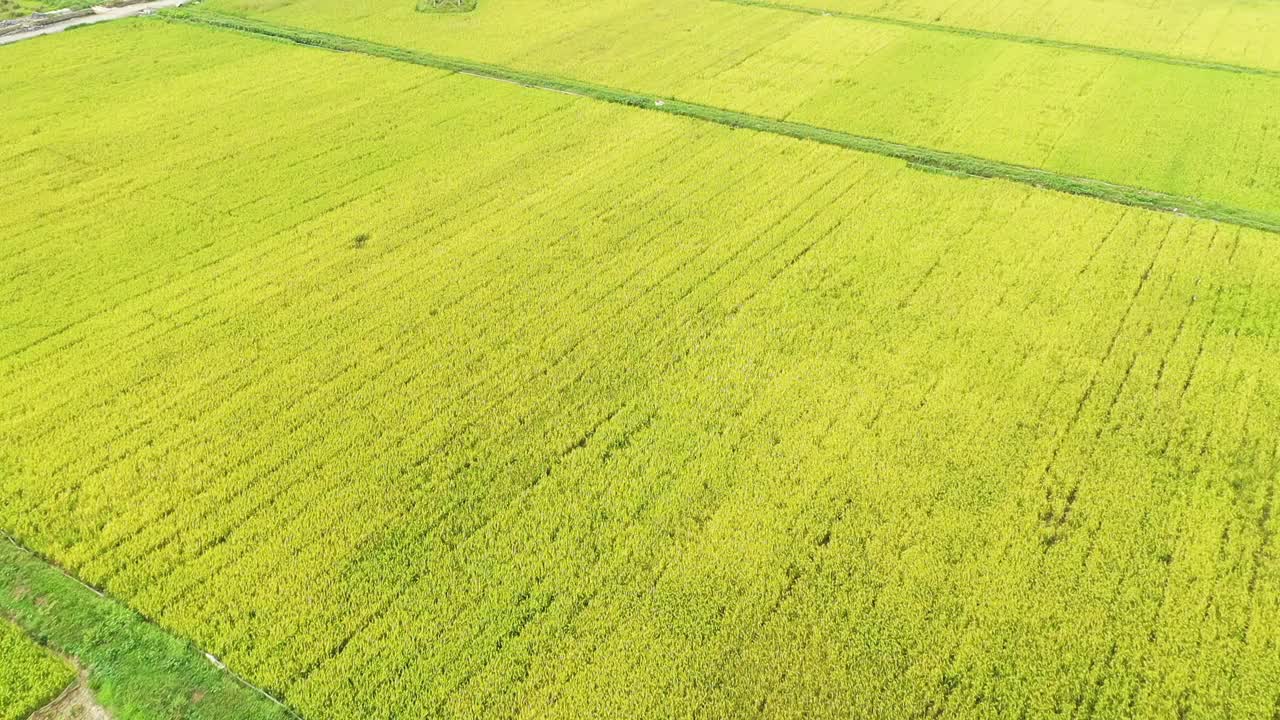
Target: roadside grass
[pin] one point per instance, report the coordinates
(137, 670)
(10, 9)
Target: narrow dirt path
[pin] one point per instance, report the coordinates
(100, 14)
(75, 703)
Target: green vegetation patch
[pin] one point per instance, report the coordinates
(30, 676)
(137, 671)
(10, 9)
(446, 6)
(17, 8)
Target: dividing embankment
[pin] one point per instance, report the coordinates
(137, 670)
(1112, 117)
(916, 155)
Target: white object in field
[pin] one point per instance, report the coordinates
(216, 662)
(659, 103)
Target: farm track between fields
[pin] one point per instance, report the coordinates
(38, 584)
(1009, 37)
(924, 158)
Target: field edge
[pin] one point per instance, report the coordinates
(137, 670)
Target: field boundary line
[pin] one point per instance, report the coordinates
(1032, 40)
(49, 567)
(919, 157)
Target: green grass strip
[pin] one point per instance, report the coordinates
(920, 157)
(137, 670)
(446, 6)
(1009, 37)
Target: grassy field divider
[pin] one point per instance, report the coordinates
(1010, 37)
(446, 6)
(137, 670)
(915, 156)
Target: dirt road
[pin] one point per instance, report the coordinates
(100, 14)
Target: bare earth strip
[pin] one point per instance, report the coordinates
(77, 702)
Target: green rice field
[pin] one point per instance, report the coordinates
(624, 359)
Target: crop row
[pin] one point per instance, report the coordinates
(1116, 119)
(467, 400)
(29, 675)
(1236, 32)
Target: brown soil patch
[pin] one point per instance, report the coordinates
(76, 703)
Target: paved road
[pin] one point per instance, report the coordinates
(100, 14)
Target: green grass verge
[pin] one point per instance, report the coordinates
(10, 9)
(1010, 37)
(446, 6)
(137, 670)
(916, 156)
